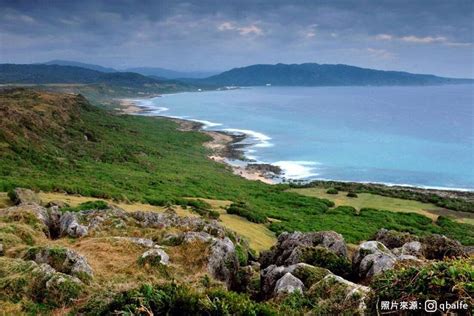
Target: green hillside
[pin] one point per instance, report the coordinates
(57, 142)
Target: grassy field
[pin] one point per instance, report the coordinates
(61, 143)
(387, 203)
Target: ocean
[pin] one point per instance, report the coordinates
(419, 136)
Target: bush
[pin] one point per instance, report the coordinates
(242, 209)
(449, 280)
(352, 194)
(89, 205)
(325, 258)
(174, 299)
(332, 191)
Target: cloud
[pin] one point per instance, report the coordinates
(242, 30)
(384, 37)
(424, 40)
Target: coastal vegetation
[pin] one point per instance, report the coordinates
(54, 142)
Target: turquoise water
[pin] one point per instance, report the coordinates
(422, 136)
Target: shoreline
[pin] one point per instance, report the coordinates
(225, 146)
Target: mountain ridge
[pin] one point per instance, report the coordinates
(313, 74)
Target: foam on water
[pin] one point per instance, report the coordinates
(261, 140)
(207, 124)
(297, 169)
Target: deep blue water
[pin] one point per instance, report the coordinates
(422, 136)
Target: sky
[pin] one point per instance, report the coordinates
(420, 36)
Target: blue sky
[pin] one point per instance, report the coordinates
(422, 36)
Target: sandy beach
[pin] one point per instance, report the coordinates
(221, 145)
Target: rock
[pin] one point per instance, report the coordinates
(144, 242)
(69, 225)
(62, 288)
(57, 203)
(288, 284)
(24, 196)
(394, 239)
(63, 260)
(438, 247)
(334, 295)
(372, 258)
(412, 248)
(306, 273)
(154, 257)
(173, 239)
(289, 246)
(189, 237)
(223, 263)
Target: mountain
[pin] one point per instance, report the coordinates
(171, 74)
(312, 74)
(79, 64)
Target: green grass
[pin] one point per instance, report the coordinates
(146, 159)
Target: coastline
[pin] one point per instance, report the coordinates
(226, 147)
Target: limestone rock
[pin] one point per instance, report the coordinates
(438, 247)
(336, 296)
(63, 260)
(69, 225)
(372, 258)
(288, 284)
(223, 263)
(155, 256)
(288, 246)
(24, 196)
(394, 239)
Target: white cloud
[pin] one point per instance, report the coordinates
(251, 29)
(384, 37)
(424, 40)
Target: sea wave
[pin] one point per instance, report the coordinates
(261, 140)
(207, 124)
(297, 169)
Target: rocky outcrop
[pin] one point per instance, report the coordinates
(63, 260)
(412, 248)
(154, 257)
(69, 226)
(144, 242)
(290, 247)
(288, 284)
(438, 247)
(334, 295)
(394, 239)
(223, 263)
(24, 196)
(372, 258)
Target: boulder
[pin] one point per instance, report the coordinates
(438, 247)
(412, 248)
(223, 263)
(144, 242)
(69, 226)
(24, 196)
(334, 295)
(287, 284)
(154, 257)
(189, 237)
(290, 245)
(394, 239)
(306, 273)
(63, 260)
(372, 258)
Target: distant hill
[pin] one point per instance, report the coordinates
(46, 74)
(170, 74)
(312, 74)
(79, 64)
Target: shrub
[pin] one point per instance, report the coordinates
(242, 209)
(332, 191)
(449, 280)
(325, 258)
(352, 194)
(89, 205)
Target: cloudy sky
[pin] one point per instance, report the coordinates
(423, 36)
